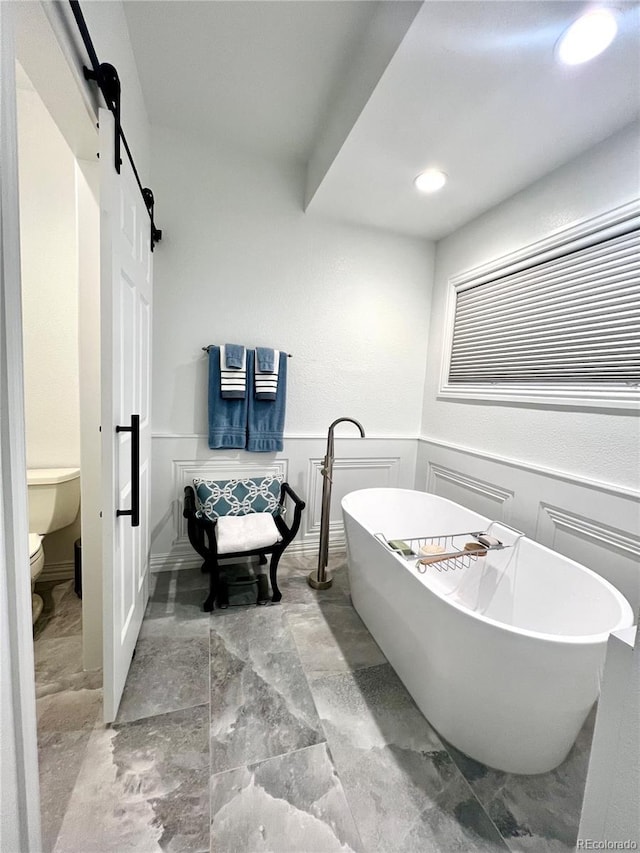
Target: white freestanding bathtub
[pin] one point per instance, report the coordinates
(503, 657)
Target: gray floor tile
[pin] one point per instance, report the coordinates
(296, 590)
(60, 756)
(405, 792)
(288, 804)
(535, 814)
(235, 686)
(58, 666)
(62, 616)
(69, 710)
(261, 705)
(180, 605)
(162, 584)
(143, 786)
(67, 698)
(170, 670)
(178, 594)
(332, 639)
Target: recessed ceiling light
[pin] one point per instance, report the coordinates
(587, 37)
(430, 181)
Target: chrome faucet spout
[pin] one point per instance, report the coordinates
(319, 579)
(347, 420)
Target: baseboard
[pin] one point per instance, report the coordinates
(62, 571)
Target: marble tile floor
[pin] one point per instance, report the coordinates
(68, 704)
(279, 728)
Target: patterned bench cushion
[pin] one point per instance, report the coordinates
(218, 498)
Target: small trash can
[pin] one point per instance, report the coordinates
(77, 567)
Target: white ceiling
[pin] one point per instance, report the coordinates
(472, 88)
(255, 74)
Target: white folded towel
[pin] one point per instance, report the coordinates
(233, 381)
(267, 383)
(236, 533)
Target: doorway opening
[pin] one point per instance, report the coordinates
(60, 279)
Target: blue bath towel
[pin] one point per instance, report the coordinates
(227, 418)
(265, 417)
(264, 359)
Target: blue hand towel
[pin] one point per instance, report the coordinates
(227, 418)
(265, 358)
(233, 382)
(267, 383)
(234, 355)
(265, 424)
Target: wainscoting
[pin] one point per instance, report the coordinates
(594, 523)
(359, 463)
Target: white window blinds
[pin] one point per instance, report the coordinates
(574, 319)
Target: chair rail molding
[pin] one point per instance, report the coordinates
(556, 474)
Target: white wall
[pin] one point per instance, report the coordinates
(598, 445)
(569, 477)
(48, 246)
(49, 287)
(241, 262)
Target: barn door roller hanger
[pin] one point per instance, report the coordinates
(106, 77)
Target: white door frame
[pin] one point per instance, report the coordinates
(20, 802)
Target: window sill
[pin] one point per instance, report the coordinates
(572, 396)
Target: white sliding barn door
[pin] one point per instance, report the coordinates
(126, 287)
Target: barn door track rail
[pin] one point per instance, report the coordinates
(106, 77)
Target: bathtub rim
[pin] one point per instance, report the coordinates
(567, 639)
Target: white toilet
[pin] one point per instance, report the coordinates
(54, 501)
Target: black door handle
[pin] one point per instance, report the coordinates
(134, 429)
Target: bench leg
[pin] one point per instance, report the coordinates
(263, 590)
(273, 576)
(223, 590)
(213, 571)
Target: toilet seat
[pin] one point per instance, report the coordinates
(36, 554)
(36, 562)
(35, 545)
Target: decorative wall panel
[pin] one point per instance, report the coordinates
(594, 523)
(480, 495)
(359, 463)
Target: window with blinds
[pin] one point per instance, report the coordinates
(569, 322)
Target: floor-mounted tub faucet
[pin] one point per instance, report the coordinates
(319, 579)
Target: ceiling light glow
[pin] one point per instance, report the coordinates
(587, 37)
(430, 181)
